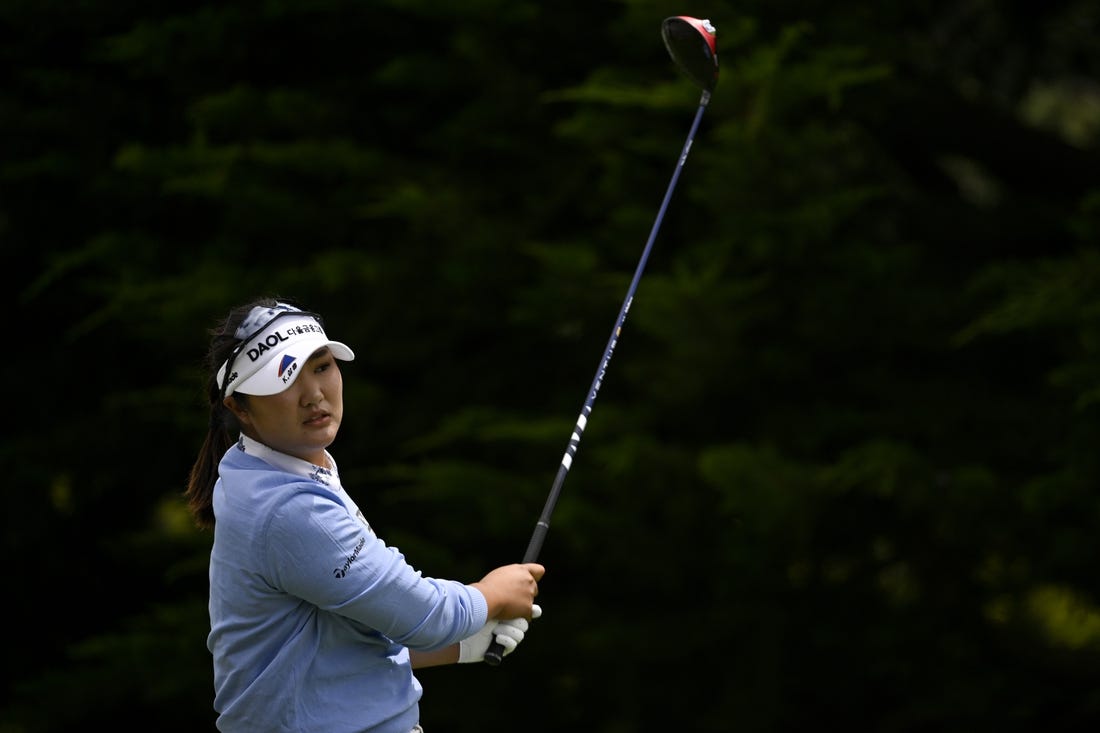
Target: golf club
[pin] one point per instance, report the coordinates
(691, 43)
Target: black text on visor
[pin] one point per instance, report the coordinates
(228, 375)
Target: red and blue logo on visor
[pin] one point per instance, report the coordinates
(285, 364)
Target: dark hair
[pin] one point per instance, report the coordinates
(221, 432)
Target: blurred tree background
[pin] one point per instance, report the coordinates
(843, 468)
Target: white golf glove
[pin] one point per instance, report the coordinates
(508, 633)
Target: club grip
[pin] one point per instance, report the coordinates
(494, 654)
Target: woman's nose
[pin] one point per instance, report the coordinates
(311, 390)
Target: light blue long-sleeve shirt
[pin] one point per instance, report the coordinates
(311, 614)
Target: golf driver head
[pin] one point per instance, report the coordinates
(691, 43)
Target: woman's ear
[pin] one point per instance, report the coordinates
(237, 409)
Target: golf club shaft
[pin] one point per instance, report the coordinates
(495, 653)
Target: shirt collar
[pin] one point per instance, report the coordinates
(290, 464)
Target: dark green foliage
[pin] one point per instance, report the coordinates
(843, 468)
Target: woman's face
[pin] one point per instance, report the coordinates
(303, 419)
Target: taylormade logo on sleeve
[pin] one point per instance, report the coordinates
(342, 571)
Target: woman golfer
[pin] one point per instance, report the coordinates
(316, 624)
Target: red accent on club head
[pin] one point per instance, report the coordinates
(681, 34)
(706, 30)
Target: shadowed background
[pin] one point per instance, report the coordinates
(843, 466)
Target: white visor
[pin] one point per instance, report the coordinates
(270, 361)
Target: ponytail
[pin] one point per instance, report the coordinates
(223, 426)
(204, 472)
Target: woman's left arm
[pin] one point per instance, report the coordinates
(439, 657)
